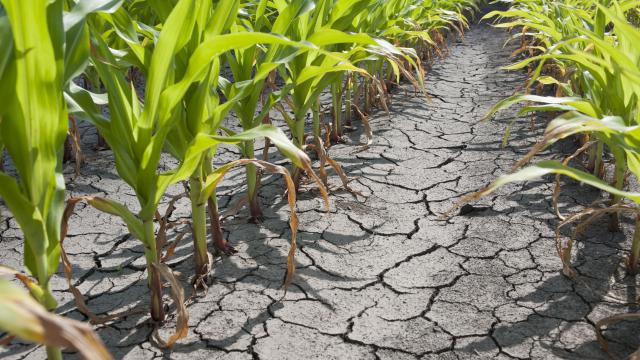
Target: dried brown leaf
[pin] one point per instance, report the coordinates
(177, 294)
(68, 271)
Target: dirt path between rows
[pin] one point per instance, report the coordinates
(382, 277)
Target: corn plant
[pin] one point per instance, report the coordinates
(39, 57)
(264, 60)
(310, 73)
(202, 113)
(137, 133)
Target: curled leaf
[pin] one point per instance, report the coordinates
(214, 178)
(68, 268)
(538, 170)
(612, 320)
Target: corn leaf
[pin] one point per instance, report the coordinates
(22, 316)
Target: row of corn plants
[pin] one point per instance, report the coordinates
(199, 60)
(583, 61)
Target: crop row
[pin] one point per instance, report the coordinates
(583, 60)
(199, 60)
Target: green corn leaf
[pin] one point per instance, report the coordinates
(6, 39)
(83, 8)
(555, 167)
(134, 224)
(212, 48)
(553, 103)
(223, 17)
(314, 72)
(589, 62)
(277, 137)
(76, 55)
(28, 216)
(548, 80)
(33, 126)
(326, 37)
(125, 27)
(174, 35)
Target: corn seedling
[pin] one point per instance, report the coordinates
(137, 134)
(264, 60)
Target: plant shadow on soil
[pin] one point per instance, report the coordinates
(601, 288)
(596, 258)
(262, 266)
